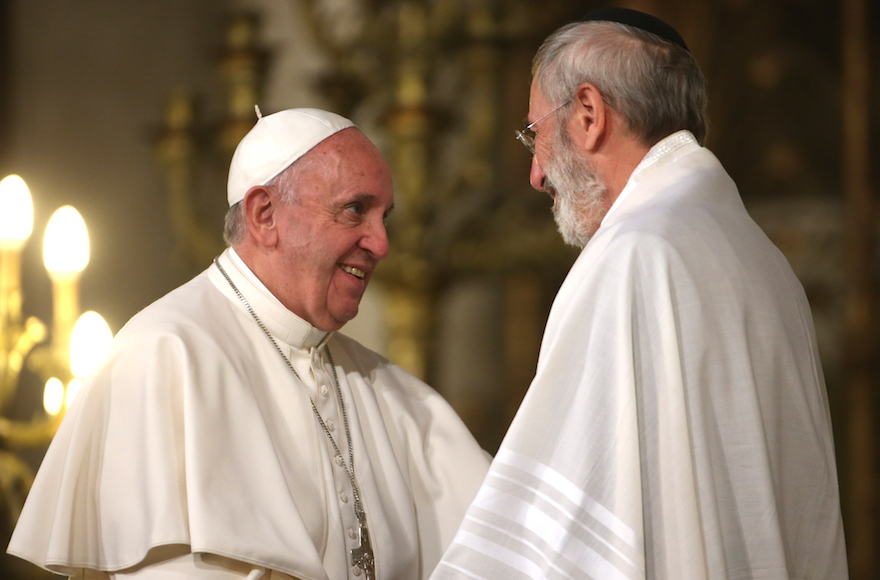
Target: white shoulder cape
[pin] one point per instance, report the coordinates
(176, 439)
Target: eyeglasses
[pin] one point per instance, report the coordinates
(527, 136)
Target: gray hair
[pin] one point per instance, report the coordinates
(235, 226)
(656, 86)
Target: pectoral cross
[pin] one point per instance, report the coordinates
(362, 556)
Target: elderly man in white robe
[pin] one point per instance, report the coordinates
(232, 432)
(678, 426)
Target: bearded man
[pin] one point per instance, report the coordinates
(232, 432)
(678, 426)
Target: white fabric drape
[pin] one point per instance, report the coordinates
(677, 426)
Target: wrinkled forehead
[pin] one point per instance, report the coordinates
(348, 148)
(347, 163)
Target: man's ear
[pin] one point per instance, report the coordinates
(259, 205)
(590, 117)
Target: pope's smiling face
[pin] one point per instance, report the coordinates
(332, 235)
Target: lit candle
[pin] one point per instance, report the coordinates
(65, 254)
(16, 224)
(53, 396)
(89, 343)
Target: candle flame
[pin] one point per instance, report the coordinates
(89, 343)
(17, 217)
(53, 396)
(66, 244)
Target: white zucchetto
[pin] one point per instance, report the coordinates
(274, 143)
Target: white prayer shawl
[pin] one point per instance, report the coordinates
(195, 432)
(677, 426)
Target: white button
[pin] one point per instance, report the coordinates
(343, 497)
(352, 534)
(339, 461)
(330, 425)
(324, 390)
(356, 570)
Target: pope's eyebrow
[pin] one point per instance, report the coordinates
(369, 199)
(365, 198)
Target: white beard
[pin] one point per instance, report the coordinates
(580, 200)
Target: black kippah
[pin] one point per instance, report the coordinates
(638, 20)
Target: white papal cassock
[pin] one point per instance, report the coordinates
(677, 426)
(194, 436)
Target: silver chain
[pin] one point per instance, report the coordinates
(358, 506)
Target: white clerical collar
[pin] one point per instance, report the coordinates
(281, 322)
(661, 154)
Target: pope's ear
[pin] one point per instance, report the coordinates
(590, 116)
(259, 205)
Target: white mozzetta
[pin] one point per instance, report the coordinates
(196, 433)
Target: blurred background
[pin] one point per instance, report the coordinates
(129, 112)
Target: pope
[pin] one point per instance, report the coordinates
(232, 432)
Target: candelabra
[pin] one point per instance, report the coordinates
(75, 343)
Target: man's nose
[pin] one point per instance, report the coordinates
(376, 241)
(536, 175)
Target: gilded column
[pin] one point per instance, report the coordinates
(409, 309)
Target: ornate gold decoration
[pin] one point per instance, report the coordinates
(451, 218)
(20, 343)
(18, 339)
(179, 150)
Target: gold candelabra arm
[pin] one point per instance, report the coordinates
(65, 255)
(46, 365)
(24, 340)
(176, 149)
(242, 67)
(180, 146)
(10, 289)
(17, 340)
(20, 434)
(65, 311)
(15, 481)
(12, 360)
